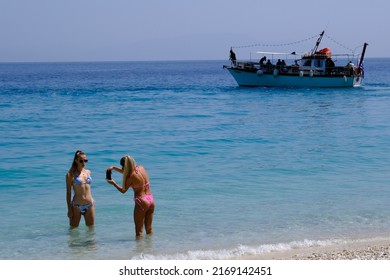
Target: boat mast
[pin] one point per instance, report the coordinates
(362, 55)
(318, 43)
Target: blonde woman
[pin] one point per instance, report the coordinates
(79, 179)
(136, 177)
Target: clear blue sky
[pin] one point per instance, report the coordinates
(123, 30)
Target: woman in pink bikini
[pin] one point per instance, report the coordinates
(79, 179)
(136, 177)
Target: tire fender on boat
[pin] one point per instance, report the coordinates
(259, 73)
(301, 74)
(275, 72)
(311, 73)
(345, 79)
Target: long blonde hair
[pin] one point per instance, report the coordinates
(128, 165)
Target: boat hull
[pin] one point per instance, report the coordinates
(259, 79)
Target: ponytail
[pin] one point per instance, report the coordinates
(128, 165)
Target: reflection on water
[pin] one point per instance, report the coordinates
(87, 243)
(143, 247)
(82, 241)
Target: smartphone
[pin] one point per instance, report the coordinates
(108, 175)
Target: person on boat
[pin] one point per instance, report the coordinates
(351, 66)
(136, 177)
(233, 57)
(283, 66)
(278, 63)
(79, 179)
(269, 65)
(329, 65)
(262, 60)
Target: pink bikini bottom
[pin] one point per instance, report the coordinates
(146, 197)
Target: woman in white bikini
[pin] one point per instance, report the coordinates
(136, 177)
(79, 179)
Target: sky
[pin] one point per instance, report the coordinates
(139, 30)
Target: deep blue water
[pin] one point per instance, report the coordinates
(233, 170)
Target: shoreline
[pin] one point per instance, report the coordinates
(367, 249)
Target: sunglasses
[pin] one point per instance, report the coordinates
(83, 160)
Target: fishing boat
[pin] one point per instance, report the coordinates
(317, 68)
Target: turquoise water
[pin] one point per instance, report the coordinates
(233, 170)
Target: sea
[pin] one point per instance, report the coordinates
(234, 171)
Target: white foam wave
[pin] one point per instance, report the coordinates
(242, 250)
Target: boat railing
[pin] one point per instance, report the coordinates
(266, 68)
(246, 64)
(295, 69)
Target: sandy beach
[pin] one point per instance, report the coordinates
(375, 249)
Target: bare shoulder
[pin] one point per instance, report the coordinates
(144, 173)
(143, 169)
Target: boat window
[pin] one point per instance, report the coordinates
(319, 63)
(307, 63)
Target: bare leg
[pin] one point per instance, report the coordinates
(75, 220)
(139, 217)
(90, 216)
(149, 219)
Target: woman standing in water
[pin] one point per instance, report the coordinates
(136, 177)
(79, 179)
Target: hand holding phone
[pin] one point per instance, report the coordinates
(108, 174)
